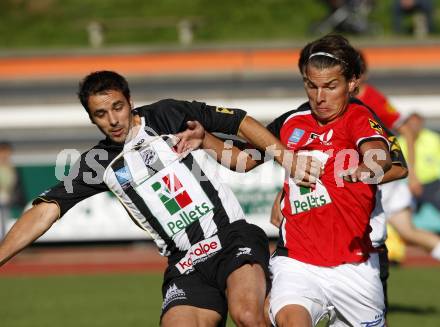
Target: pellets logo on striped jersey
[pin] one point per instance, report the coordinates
(172, 194)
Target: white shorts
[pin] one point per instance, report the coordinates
(396, 196)
(348, 294)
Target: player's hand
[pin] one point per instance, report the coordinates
(361, 173)
(191, 138)
(306, 170)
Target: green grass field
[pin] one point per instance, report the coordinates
(134, 300)
(50, 24)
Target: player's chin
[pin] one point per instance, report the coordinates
(118, 139)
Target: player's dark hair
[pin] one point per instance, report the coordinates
(100, 82)
(329, 51)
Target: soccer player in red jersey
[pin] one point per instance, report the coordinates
(322, 264)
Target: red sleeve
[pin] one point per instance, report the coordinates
(386, 112)
(363, 126)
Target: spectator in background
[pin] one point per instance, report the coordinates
(427, 161)
(346, 16)
(421, 12)
(10, 190)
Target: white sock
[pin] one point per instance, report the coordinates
(435, 253)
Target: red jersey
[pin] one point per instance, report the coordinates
(374, 99)
(328, 225)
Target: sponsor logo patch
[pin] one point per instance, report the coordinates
(295, 137)
(123, 176)
(324, 138)
(199, 252)
(175, 198)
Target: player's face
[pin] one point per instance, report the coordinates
(111, 112)
(328, 92)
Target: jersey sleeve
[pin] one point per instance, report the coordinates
(82, 182)
(174, 114)
(364, 128)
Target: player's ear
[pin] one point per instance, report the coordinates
(353, 84)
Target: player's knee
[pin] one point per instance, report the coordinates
(293, 316)
(247, 317)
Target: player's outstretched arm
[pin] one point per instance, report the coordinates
(396, 172)
(264, 140)
(376, 161)
(227, 154)
(32, 224)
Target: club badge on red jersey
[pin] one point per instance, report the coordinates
(374, 125)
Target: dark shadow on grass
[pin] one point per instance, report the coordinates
(402, 308)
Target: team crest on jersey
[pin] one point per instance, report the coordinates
(223, 110)
(123, 176)
(149, 156)
(374, 125)
(295, 137)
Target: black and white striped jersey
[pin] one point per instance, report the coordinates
(179, 201)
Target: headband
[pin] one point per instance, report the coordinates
(326, 54)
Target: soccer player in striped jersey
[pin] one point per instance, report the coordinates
(216, 260)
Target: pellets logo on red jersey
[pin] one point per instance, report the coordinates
(374, 125)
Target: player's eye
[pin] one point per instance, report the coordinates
(99, 114)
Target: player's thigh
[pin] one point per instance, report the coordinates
(356, 292)
(246, 288)
(189, 316)
(296, 292)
